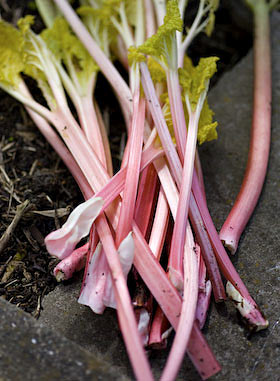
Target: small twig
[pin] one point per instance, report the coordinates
(5, 266)
(21, 209)
(33, 167)
(10, 199)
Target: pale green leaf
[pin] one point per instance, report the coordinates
(66, 47)
(12, 55)
(194, 80)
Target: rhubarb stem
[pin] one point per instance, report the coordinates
(260, 132)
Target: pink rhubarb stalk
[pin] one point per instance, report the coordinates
(187, 316)
(260, 133)
(133, 168)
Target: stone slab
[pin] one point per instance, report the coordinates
(31, 351)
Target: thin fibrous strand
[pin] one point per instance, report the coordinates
(105, 65)
(260, 134)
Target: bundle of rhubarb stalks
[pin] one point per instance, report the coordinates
(150, 219)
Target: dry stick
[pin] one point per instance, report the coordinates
(21, 209)
(260, 133)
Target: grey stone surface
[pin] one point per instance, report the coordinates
(257, 260)
(30, 351)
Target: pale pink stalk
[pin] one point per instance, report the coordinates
(179, 233)
(83, 102)
(150, 26)
(160, 225)
(90, 124)
(126, 255)
(187, 316)
(260, 133)
(121, 52)
(160, 11)
(105, 65)
(133, 169)
(105, 140)
(74, 262)
(160, 123)
(177, 111)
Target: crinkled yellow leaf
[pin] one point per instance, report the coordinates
(156, 70)
(206, 126)
(12, 56)
(134, 56)
(195, 79)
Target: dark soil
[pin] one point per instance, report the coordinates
(30, 170)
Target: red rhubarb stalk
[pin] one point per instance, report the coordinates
(260, 132)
